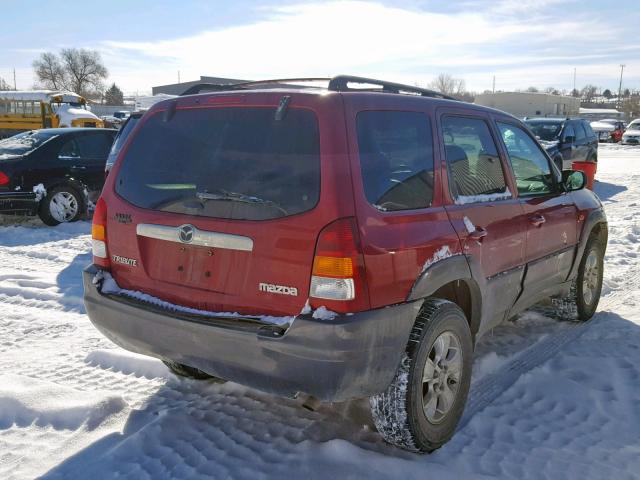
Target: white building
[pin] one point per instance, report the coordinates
(528, 104)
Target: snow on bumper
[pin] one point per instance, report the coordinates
(350, 356)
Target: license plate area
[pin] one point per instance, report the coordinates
(204, 268)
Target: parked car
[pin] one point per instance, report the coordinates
(631, 135)
(121, 137)
(337, 242)
(566, 140)
(609, 129)
(54, 172)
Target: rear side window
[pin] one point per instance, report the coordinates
(588, 130)
(396, 159)
(235, 163)
(569, 132)
(94, 145)
(474, 165)
(580, 133)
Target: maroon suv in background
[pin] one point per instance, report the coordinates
(341, 242)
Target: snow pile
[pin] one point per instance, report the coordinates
(26, 401)
(128, 363)
(40, 192)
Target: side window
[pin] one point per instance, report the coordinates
(396, 159)
(588, 130)
(530, 165)
(580, 133)
(69, 149)
(94, 145)
(474, 166)
(569, 132)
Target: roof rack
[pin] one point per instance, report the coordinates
(341, 84)
(338, 83)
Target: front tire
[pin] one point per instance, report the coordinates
(420, 409)
(584, 295)
(62, 204)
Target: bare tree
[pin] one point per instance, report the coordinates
(84, 69)
(532, 90)
(588, 92)
(445, 83)
(552, 91)
(49, 71)
(4, 85)
(78, 70)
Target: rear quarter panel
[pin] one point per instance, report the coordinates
(397, 245)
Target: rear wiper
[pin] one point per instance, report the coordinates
(237, 197)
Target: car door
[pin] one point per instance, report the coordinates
(86, 156)
(486, 215)
(551, 214)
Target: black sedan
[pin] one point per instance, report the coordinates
(53, 173)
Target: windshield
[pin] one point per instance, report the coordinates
(57, 106)
(237, 163)
(547, 131)
(634, 126)
(23, 143)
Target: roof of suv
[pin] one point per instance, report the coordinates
(342, 84)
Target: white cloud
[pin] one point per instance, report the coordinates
(320, 39)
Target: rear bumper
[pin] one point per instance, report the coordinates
(351, 356)
(18, 202)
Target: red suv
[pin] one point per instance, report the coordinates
(340, 242)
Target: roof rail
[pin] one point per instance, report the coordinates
(339, 83)
(205, 87)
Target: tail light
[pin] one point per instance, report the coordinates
(338, 276)
(4, 179)
(99, 235)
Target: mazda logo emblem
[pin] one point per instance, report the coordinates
(185, 233)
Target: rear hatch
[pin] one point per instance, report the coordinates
(216, 201)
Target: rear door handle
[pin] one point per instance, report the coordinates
(478, 234)
(78, 167)
(537, 220)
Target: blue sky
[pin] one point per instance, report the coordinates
(521, 42)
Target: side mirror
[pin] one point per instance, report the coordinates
(574, 180)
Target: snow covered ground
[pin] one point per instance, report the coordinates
(549, 399)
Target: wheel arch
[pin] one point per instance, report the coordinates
(451, 279)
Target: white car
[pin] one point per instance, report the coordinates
(631, 136)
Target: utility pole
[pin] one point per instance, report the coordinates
(574, 80)
(494, 84)
(620, 86)
(14, 80)
(178, 76)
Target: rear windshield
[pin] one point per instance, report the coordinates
(236, 163)
(548, 131)
(24, 143)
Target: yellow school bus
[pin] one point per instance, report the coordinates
(30, 110)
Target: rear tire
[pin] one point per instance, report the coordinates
(420, 409)
(61, 204)
(186, 371)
